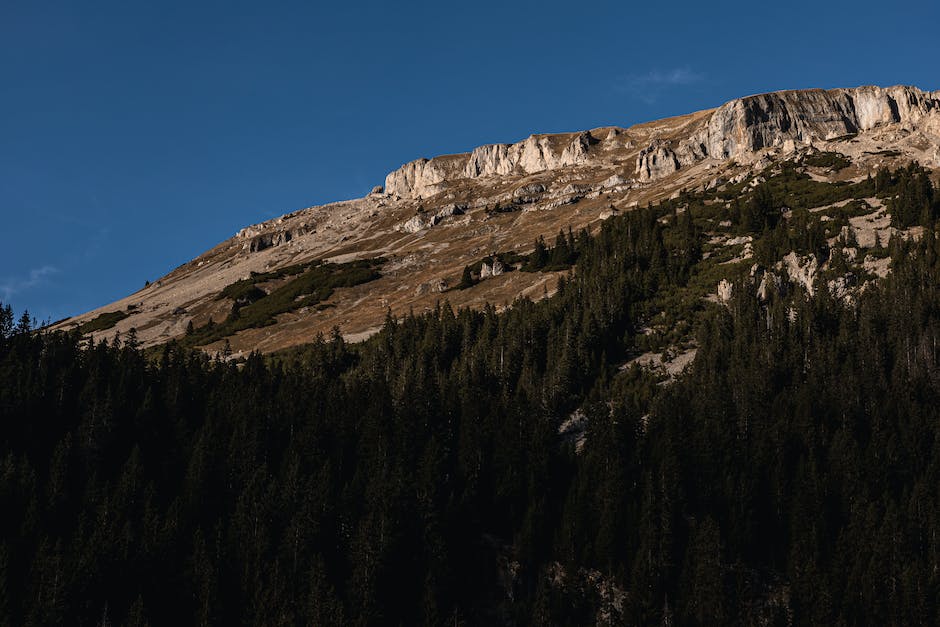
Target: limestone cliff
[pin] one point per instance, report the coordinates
(792, 117)
(785, 119)
(436, 216)
(537, 153)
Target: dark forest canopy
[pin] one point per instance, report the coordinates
(418, 478)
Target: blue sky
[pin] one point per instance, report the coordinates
(135, 135)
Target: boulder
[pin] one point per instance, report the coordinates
(656, 161)
(615, 180)
(447, 211)
(528, 193)
(725, 290)
(801, 270)
(413, 224)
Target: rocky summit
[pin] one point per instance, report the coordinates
(460, 227)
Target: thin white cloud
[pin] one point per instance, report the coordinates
(95, 243)
(649, 86)
(12, 286)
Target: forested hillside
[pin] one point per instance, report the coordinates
(790, 475)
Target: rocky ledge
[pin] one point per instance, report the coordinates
(797, 117)
(778, 119)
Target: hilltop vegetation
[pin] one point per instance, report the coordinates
(419, 477)
(307, 285)
(102, 322)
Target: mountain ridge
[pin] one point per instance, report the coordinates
(436, 216)
(725, 136)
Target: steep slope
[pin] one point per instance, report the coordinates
(434, 217)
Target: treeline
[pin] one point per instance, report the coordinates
(419, 478)
(562, 256)
(344, 485)
(306, 285)
(777, 210)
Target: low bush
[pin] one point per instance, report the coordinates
(102, 322)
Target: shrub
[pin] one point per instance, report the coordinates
(313, 283)
(833, 160)
(102, 322)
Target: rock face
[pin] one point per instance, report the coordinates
(413, 225)
(785, 118)
(791, 118)
(258, 240)
(656, 161)
(420, 222)
(801, 270)
(424, 178)
(487, 271)
(528, 193)
(434, 217)
(725, 290)
(770, 119)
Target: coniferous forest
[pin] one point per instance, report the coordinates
(790, 476)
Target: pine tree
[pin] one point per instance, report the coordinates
(539, 256)
(6, 321)
(24, 325)
(466, 279)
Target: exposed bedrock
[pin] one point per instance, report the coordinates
(783, 118)
(754, 122)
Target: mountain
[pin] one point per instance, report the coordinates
(404, 246)
(727, 412)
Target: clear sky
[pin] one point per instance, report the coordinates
(136, 135)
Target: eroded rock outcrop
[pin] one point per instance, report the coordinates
(656, 161)
(528, 193)
(581, 179)
(421, 221)
(789, 119)
(424, 177)
(487, 270)
(785, 119)
(801, 270)
(259, 238)
(725, 290)
(537, 153)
